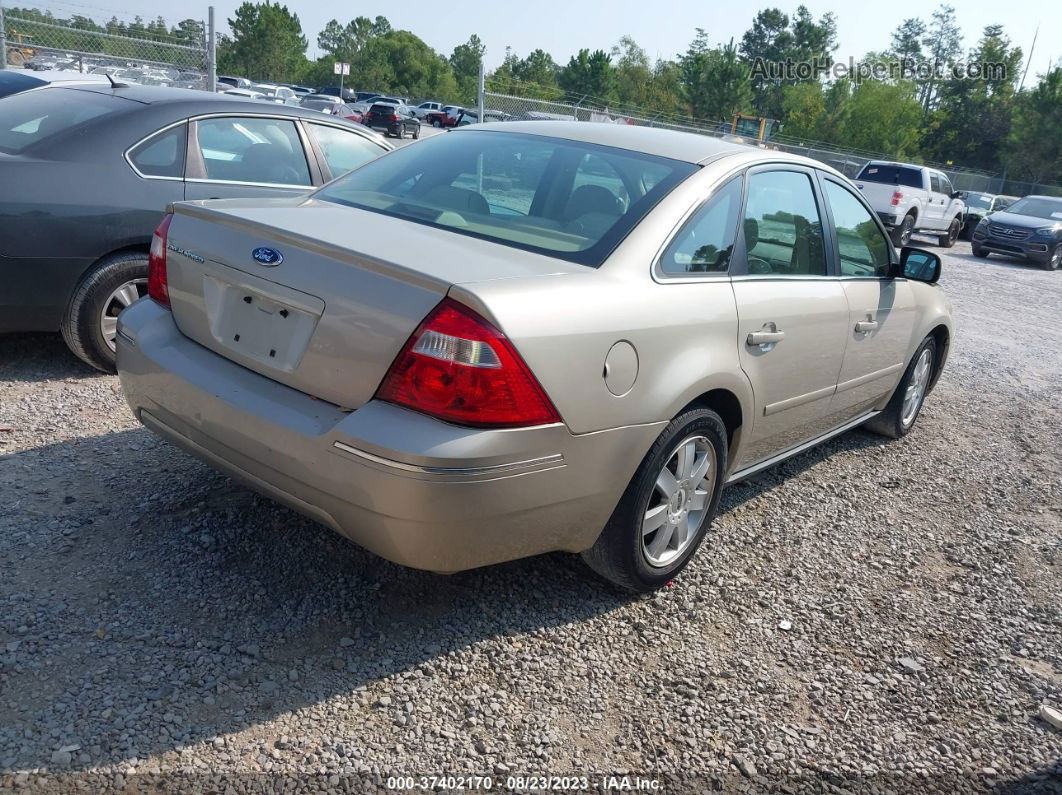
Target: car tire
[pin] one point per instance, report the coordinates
(901, 235)
(947, 240)
(899, 416)
(416, 132)
(1053, 260)
(623, 554)
(102, 292)
(436, 123)
(978, 251)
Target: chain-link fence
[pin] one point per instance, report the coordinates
(508, 107)
(128, 53)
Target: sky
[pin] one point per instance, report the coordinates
(562, 27)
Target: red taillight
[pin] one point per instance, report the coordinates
(158, 288)
(896, 196)
(393, 117)
(459, 368)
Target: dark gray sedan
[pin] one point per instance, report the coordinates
(87, 172)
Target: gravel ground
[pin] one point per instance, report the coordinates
(872, 614)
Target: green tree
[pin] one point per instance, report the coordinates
(401, 63)
(804, 110)
(634, 73)
(907, 42)
(464, 61)
(267, 43)
(973, 116)
(716, 80)
(589, 74)
(1034, 147)
(943, 45)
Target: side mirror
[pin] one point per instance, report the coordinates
(957, 194)
(920, 265)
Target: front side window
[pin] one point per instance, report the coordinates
(249, 149)
(861, 248)
(162, 155)
(527, 191)
(344, 150)
(783, 231)
(706, 242)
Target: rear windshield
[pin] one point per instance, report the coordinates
(383, 109)
(11, 82)
(891, 175)
(1038, 207)
(33, 117)
(567, 199)
(979, 201)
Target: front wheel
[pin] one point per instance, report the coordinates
(947, 240)
(906, 403)
(1053, 260)
(978, 251)
(90, 326)
(664, 514)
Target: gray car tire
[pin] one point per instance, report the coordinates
(618, 554)
(978, 251)
(901, 235)
(890, 422)
(947, 240)
(81, 324)
(1053, 259)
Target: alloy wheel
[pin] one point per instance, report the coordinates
(125, 295)
(678, 504)
(916, 388)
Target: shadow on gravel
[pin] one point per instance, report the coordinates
(1046, 781)
(38, 357)
(149, 604)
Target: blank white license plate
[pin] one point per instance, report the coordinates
(260, 326)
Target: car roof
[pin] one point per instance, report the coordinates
(690, 147)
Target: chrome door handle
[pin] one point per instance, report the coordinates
(766, 338)
(863, 326)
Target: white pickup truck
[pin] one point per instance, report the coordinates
(911, 199)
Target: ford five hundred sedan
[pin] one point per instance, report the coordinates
(614, 324)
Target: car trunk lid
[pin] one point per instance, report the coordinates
(318, 296)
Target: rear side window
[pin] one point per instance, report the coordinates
(32, 117)
(343, 150)
(248, 149)
(706, 242)
(891, 175)
(162, 155)
(533, 192)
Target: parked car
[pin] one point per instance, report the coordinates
(348, 95)
(424, 108)
(316, 101)
(1030, 228)
(590, 354)
(466, 116)
(396, 120)
(978, 205)
(282, 95)
(364, 105)
(233, 82)
(336, 108)
(88, 170)
(12, 81)
(446, 117)
(911, 199)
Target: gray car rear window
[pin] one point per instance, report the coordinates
(566, 199)
(33, 117)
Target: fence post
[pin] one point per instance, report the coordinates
(3, 38)
(212, 52)
(481, 91)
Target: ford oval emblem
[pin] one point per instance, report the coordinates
(269, 257)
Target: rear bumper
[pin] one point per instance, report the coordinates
(889, 219)
(414, 490)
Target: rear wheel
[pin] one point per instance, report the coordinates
(901, 235)
(668, 506)
(436, 123)
(90, 327)
(947, 240)
(906, 403)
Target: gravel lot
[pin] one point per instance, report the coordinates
(870, 614)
